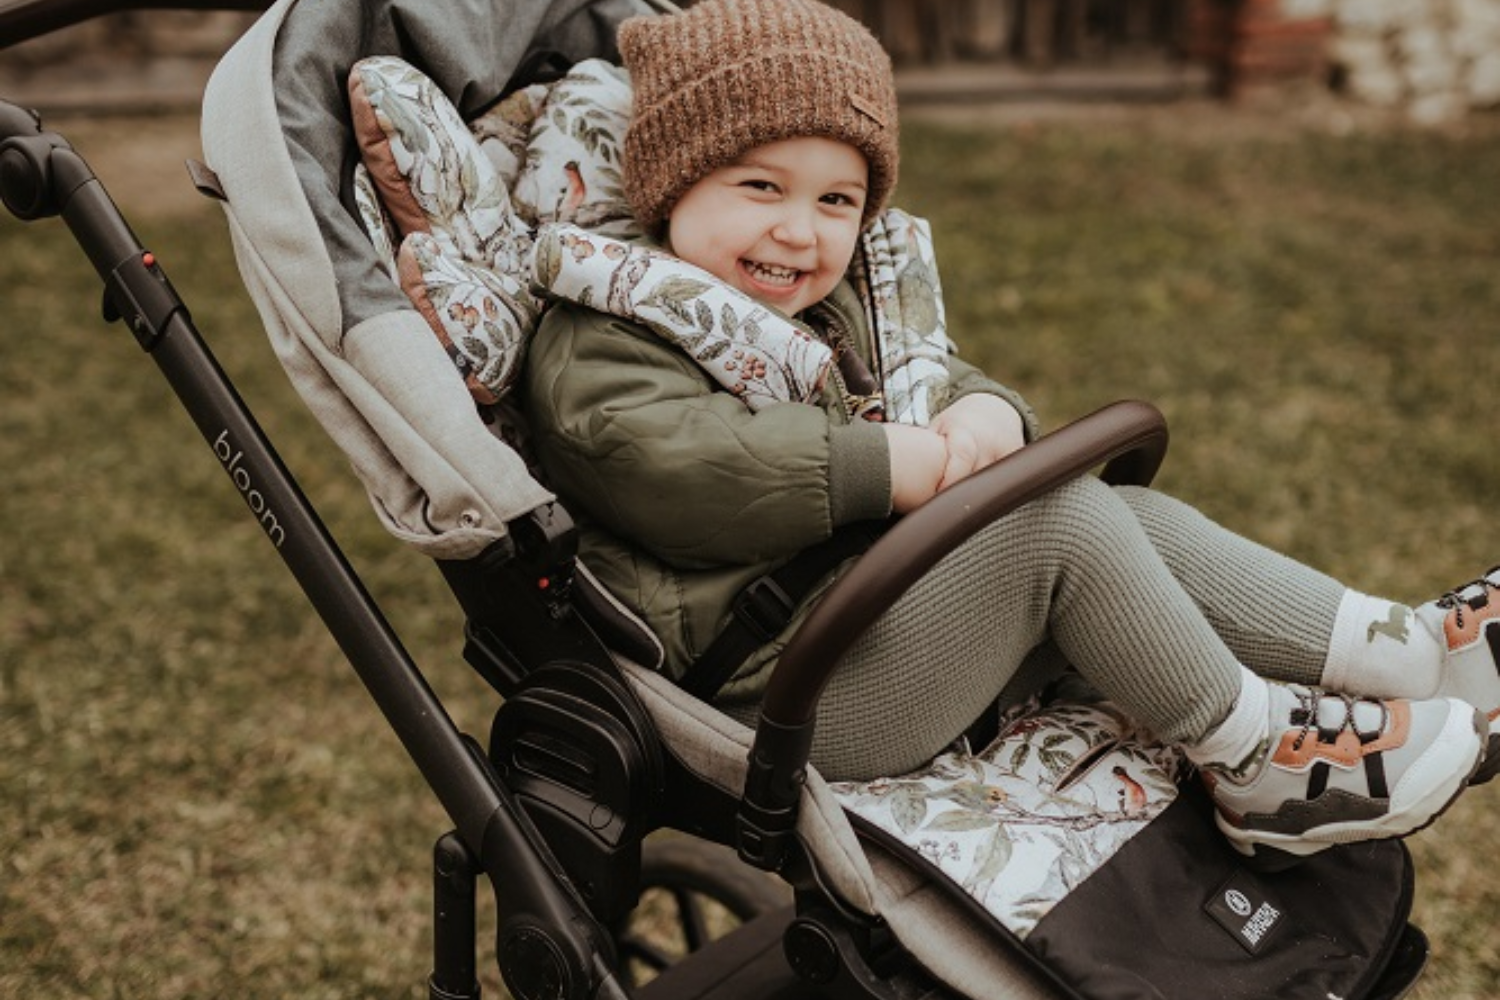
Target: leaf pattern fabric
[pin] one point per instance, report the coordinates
(756, 354)
(906, 304)
(545, 164)
(1026, 820)
(573, 170)
(457, 193)
(483, 317)
(435, 197)
(377, 223)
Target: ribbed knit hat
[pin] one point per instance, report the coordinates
(726, 76)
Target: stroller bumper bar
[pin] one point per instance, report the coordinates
(1128, 438)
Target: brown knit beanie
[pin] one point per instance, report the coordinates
(726, 76)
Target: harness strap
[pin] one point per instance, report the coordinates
(764, 607)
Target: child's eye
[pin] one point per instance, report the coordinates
(840, 200)
(755, 184)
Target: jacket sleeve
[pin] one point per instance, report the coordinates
(632, 432)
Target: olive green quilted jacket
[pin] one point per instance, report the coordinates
(684, 495)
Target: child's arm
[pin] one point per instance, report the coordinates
(977, 430)
(636, 436)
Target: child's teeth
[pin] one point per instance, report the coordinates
(770, 273)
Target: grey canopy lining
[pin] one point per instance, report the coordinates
(277, 132)
(471, 48)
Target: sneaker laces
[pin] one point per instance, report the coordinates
(1310, 700)
(1455, 601)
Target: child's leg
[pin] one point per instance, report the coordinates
(1073, 565)
(1274, 613)
(1077, 566)
(1292, 623)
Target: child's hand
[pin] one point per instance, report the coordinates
(977, 430)
(918, 457)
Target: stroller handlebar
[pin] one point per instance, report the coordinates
(1129, 438)
(41, 177)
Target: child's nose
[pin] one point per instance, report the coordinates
(796, 228)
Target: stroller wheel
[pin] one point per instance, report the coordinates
(692, 893)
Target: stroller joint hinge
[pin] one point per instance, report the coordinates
(767, 820)
(763, 839)
(546, 546)
(455, 870)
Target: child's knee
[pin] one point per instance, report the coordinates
(1086, 510)
(1154, 509)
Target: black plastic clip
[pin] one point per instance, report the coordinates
(546, 547)
(764, 608)
(766, 822)
(138, 292)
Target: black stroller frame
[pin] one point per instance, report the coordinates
(555, 810)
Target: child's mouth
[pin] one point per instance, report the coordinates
(772, 275)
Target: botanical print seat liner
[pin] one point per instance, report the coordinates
(458, 210)
(1023, 822)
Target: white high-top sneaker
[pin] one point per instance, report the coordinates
(1468, 619)
(1339, 769)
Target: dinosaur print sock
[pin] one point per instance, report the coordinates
(1381, 649)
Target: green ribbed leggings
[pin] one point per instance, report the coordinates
(1154, 604)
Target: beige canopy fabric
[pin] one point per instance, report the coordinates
(275, 131)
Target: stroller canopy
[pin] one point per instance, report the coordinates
(277, 132)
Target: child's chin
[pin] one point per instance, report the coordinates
(789, 300)
(784, 305)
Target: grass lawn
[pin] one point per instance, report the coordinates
(197, 798)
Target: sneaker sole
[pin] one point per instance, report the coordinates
(1491, 765)
(1272, 852)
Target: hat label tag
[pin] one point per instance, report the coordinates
(867, 108)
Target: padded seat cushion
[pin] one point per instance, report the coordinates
(461, 201)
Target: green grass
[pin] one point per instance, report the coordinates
(198, 799)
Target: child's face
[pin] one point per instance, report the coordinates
(780, 224)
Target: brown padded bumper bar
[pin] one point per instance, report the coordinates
(1128, 438)
(1131, 436)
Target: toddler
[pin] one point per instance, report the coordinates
(763, 143)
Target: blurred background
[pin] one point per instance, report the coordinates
(1275, 219)
(1431, 60)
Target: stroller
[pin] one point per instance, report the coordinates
(591, 751)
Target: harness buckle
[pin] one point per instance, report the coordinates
(763, 608)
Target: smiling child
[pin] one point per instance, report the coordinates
(762, 147)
